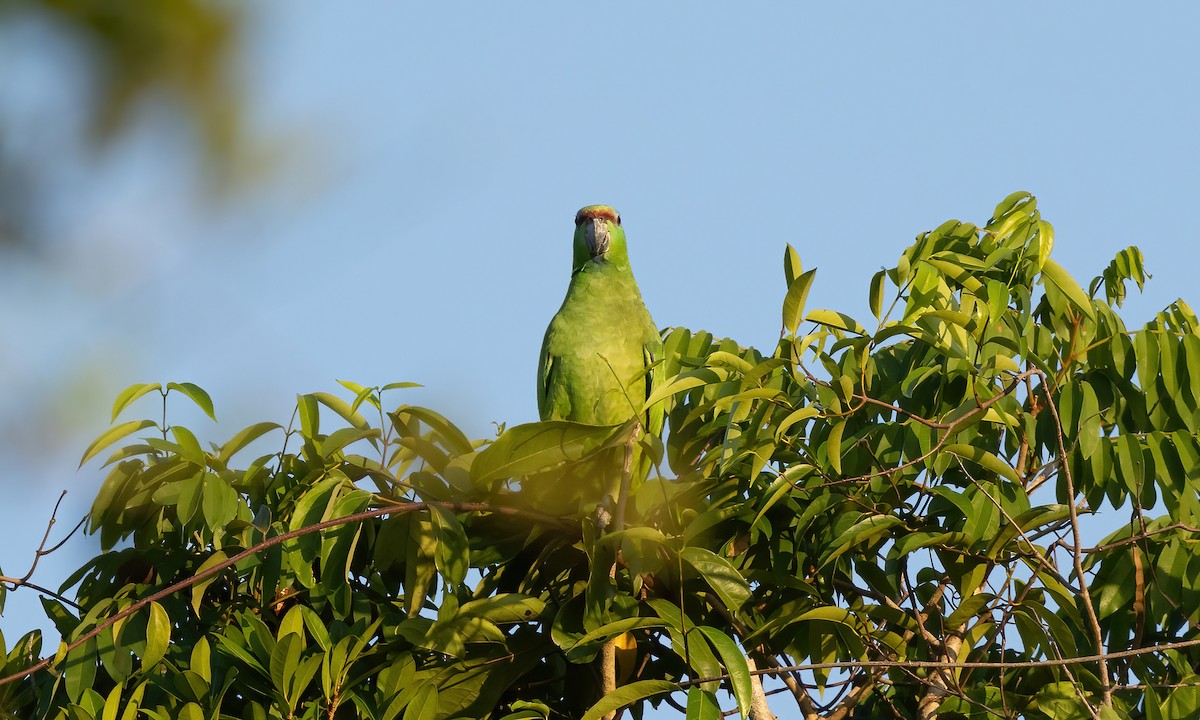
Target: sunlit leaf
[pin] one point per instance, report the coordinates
(793, 302)
(158, 636)
(840, 321)
(735, 665)
(112, 435)
(1054, 274)
(702, 705)
(245, 437)
(196, 394)
(627, 695)
(129, 394)
(535, 447)
(720, 575)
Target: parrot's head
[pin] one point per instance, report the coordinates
(599, 236)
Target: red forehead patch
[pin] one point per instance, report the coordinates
(592, 212)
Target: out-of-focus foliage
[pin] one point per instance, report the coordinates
(179, 51)
(902, 497)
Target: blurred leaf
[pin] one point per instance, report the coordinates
(535, 447)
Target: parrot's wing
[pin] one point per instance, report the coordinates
(545, 369)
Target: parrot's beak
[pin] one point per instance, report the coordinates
(596, 234)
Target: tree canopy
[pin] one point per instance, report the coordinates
(875, 518)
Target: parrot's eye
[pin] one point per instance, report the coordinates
(618, 221)
(578, 220)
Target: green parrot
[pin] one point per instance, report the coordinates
(598, 360)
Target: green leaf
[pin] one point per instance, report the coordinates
(424, 704)
(833, 446)
(197, 395)
(1054, 273)
(793, 302)
(837, 320)
(285, 659)
(310, 415)
(189, 446)
(131, 393)
(1061, 701)
(968, 609)
(963, 276)
(702, 705)
(684, 381)
(79, 670)
(878, 284)
(585, 645)
(627, 695)
(791, 265)
(984, 459)
(340, 438)
(780, 487)
(198, 589)
(735, 666)
(862, 531)
(505, 608)
(453, 438)
(794, 417)
(452, 555)
(158, 637)
(535, 447)
(1089, 420)
(191, 496)
(341, 407)
(1183, 702)
(112, 703)
(245, 437)
(1045, 243)
(720, 574)
(220, 501)
(201, 660)
(399, 386)
(112, 435)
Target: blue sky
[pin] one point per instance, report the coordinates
(429, 161)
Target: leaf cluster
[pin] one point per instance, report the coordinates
(884, 517)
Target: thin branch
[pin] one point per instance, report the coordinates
(950, 431)
(1077, 555)
(41, 552)
(977, 665)
(21, 582)
(220, 567)
(1135, 539)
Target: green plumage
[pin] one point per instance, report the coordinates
(597, 361)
